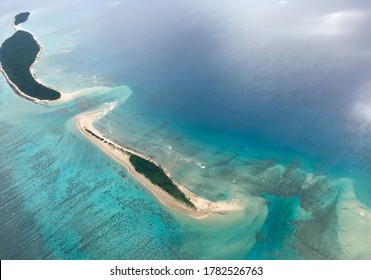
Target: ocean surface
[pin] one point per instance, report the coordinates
(265, 101)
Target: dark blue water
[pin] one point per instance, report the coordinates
(284, 87)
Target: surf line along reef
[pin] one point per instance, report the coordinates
(21, 51)
(18, 54)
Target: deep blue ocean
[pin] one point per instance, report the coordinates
(265, 101)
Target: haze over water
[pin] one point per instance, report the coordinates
(265, 101)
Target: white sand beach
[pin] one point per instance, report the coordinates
(204, 208)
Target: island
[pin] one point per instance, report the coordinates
(18, 54)
(21, 17)
(157, 176)
(151, 174)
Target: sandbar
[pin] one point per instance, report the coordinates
(121, 154)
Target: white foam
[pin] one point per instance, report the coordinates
(108, 107)
(199, 164)
(185, 159)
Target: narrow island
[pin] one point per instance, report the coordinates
(151, 174)
(18, 54)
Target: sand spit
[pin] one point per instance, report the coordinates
(204, 208)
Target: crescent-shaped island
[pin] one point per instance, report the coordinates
(18, 54)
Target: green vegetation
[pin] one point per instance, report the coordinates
(107, 142)
(93, 134)
(20, 18)
(151, 171)
(17, 54)
(158, 177)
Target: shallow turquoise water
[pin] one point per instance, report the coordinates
(244, 106)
